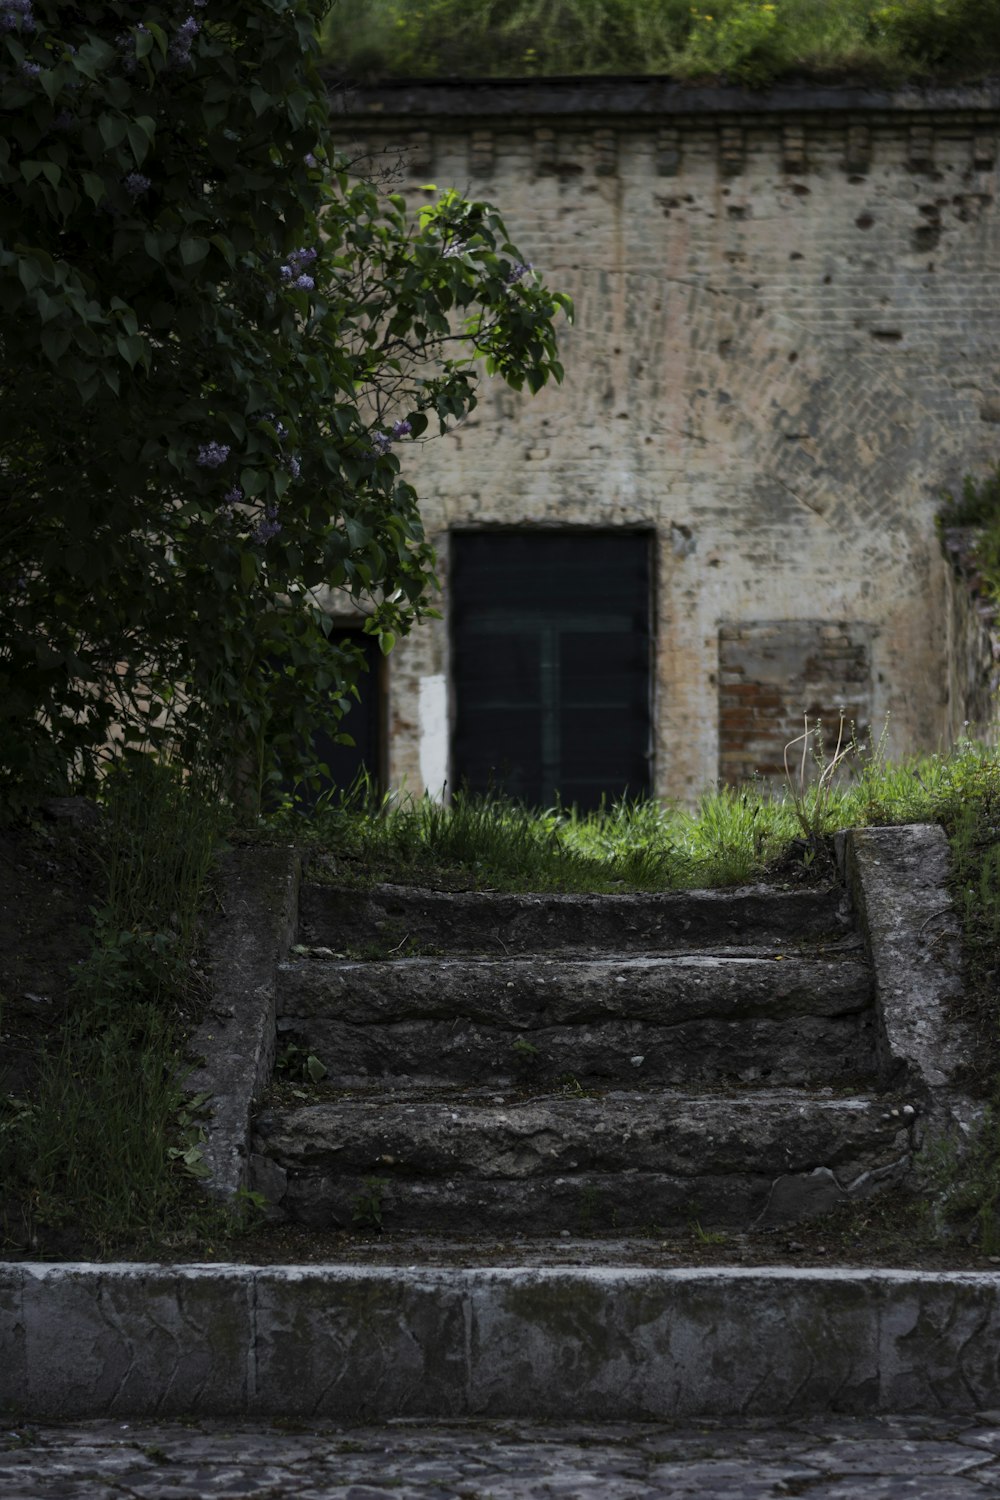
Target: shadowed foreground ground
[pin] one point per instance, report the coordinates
(824, 1458)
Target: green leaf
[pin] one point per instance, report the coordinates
(159, 36)
(55, 342)
(131, 347)
(358, 534)
(139, 140)
(112, 130)
(260, 99)
(93, 186)
(29, 274)
(224, 247)
(252, 481)
(157, 246)
(193, 250)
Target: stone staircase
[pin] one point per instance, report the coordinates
(550, 1066)
(547, 1064)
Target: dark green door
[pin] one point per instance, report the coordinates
(551, 654)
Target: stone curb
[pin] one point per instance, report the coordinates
(346, 1343)
(236, 1041)
(897, 880)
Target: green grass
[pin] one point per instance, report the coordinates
(734, 835)
(494, 843)
(749, 40)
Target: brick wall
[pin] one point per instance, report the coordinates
(785, 351)
(777, 677)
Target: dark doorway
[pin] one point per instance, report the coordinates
(363, 722)
(551, 654)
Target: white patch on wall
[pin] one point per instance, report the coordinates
(433, 709)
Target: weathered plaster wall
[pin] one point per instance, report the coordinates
(786, 342)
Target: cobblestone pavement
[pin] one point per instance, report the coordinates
(822, 1458)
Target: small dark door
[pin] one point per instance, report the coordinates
(362, 722)
(551, 653)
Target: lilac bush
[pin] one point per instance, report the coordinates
(197, 431)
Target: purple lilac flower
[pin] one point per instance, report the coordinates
(64, 120)
(233, 496)
(270, 527)
(136, 184)
(294, 268)
(31, 69)
(294, 466)
(518, 269)
(212, 455)
(383, 441)
(16, 15)
(310, 160)
(125, 43)
(180, 46)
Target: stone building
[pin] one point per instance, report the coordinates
(785, 351)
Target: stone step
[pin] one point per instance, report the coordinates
(621, 1162)
(386, 918)
(360, 1343)
(683, 1020)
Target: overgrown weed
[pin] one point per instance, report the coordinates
(978, 507)
(748, 40)
(962, 1182)
(107, 1143)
